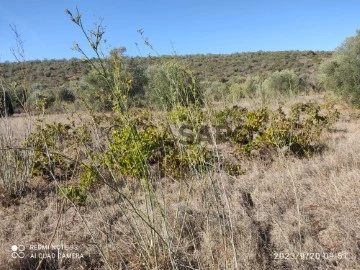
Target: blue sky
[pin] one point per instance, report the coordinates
(186, 27)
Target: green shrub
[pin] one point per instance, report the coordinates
(283, 82)
(341, 73)
(40, 97)
(216, 91)
(172, 83)
(18, 96)
(79, 192)
(66, 94)
(53, 146)
(252, 85)
(95, 92)
(107, 84)
(128, 154)
(236, 91)
(132, 153)
(232, 168)
(137, 74)
(269, 130)
(248, 87)
(187, 159)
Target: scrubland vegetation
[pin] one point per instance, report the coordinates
(243, 161)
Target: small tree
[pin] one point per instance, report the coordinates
(341, 73)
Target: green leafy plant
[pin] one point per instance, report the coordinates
(73, 193)
(128, 155)
(233, 168)
(187, 160)
(53, 146)
(88, 178)
(341, 73)
(262, 129)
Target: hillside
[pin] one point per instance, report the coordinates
(211, 67)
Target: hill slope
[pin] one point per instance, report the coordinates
(211, 67)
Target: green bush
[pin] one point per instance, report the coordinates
(341, 73)
(216, 91)
(66, 94)
(252, 86)
(171, 84)
(269, 130)
(129, 150)
(137, 74)
(283, 82)
(133, 150)
(18, 96)
(53, 144)
(40, 96)
(236, 91)
(107, 83)
(96, 92)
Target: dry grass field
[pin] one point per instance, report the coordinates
(291, 213)
(241, 161)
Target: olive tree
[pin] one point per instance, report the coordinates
(341, 72)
